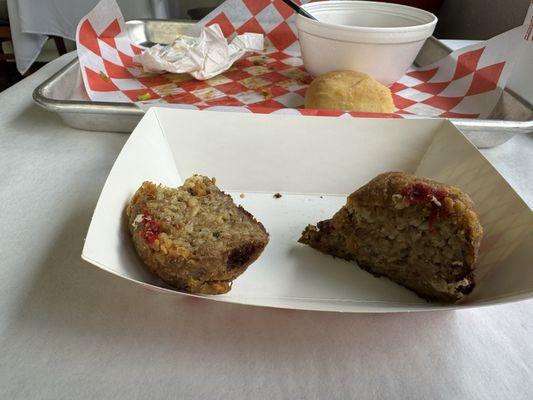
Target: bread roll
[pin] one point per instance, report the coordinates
(349, 91)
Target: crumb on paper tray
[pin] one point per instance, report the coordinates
(242, 196)
(277, 195)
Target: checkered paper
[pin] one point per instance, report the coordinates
(465, 84)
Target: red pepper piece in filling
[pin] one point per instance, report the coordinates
(434, 215)
(150, 228)
(421, 193)
(441, 194)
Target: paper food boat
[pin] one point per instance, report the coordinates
(314, 162)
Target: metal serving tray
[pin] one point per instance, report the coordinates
(64, 94)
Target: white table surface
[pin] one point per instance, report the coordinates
(69, 330)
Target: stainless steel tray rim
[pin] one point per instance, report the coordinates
(126, 115)
(79, 105)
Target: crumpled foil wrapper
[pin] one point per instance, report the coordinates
(202, 57)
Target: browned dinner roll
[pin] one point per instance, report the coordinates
(349, 91)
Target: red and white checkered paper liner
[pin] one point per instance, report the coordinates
(465, 84)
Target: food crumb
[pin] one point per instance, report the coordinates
(144, 97)
(104, 77)
(267, 93)
(260, 61)
(242, 196)
(277, 195)
(321, 197)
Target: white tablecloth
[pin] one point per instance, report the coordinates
(32, 21)
(69, 330)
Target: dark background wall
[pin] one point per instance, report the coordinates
(479, 19)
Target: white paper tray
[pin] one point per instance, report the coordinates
(314, 162)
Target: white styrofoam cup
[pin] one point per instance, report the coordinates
(381, 39)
